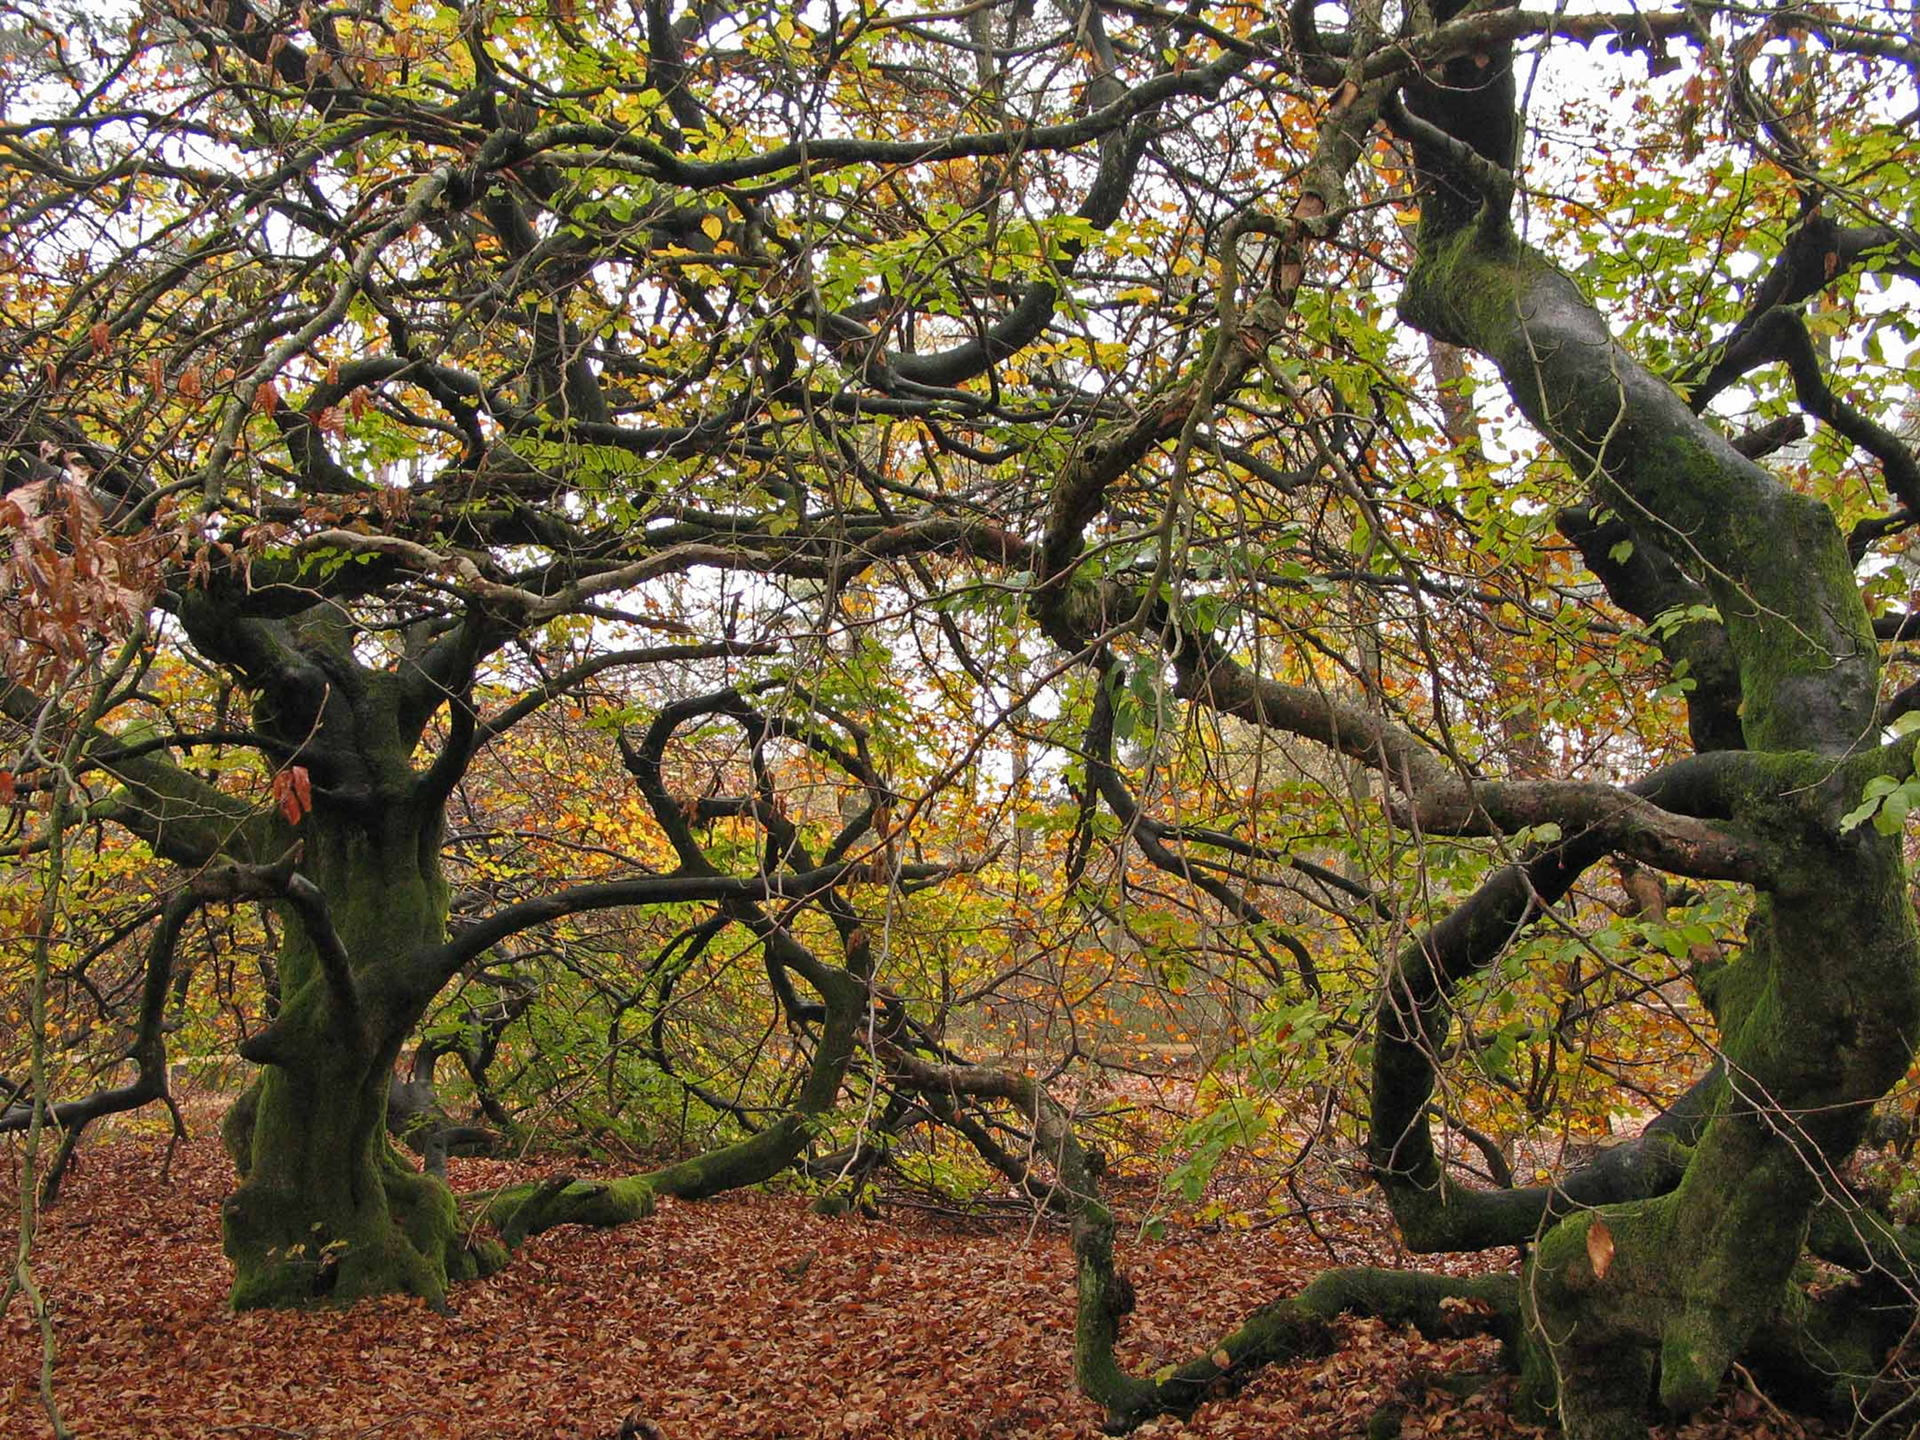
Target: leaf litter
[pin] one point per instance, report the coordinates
(744, 1316)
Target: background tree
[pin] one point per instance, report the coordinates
(853, 417)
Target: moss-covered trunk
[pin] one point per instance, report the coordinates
(1677, 1287)
(326, 1209)
(1818, 1015)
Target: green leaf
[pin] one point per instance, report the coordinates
(1877, 789)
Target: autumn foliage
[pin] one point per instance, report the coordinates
(1173, 693)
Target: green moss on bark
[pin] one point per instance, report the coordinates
(1697, 1274)
(325, 1212)
(520, 1211)
(1291, 1329)
(1774, 561)
(1819, 1013)
(236, 1129)
(328, 1214)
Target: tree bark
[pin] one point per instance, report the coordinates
(1818, 1015)
(326, 1208)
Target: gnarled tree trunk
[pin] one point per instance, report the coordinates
(1818, 1014)
(325, 1207)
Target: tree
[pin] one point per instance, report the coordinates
(445, 356)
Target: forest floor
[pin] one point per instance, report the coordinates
(745, 1316)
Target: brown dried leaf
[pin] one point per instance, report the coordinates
(1599, 1248)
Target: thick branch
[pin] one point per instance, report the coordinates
(1780, 335)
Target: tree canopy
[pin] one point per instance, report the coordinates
(841, 568)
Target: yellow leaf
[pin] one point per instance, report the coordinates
(711, 225)
(1221, 1358)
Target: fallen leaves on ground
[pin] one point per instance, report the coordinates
(746, 1316)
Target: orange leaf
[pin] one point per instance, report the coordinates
(294, 792)
(1599, 1248)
